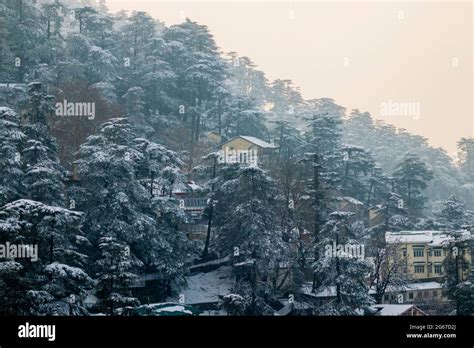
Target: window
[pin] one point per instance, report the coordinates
(385, 297)
(418, 252)
(435, 293)
(429, 252)
(419, 268)
(430, 268)
(404, 251)
(438, 268)
(410, 295)
(437, 252)
(425, 294)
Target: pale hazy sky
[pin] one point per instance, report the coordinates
(361, 54)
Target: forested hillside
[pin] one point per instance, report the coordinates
(95, 192)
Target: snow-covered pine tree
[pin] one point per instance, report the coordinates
(244, 79)
(342, 270)
(323, 137)
(208, 173)
(240, 116)
(7, 68)
(411, 178)
(11, 138)
(44, 176)
(457, 267)
(466, 156)
(135, 111)
(30, 285)
(246, 228)
(116, 171)
(324, 127)
(357, 169)
(199, 69)
(452, 216)
(378, 187)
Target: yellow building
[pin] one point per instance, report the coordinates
(245, 150)
(424, 252)
(214, 137)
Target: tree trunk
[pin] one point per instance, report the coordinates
(211, 213)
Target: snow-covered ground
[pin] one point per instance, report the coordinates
(207, 287)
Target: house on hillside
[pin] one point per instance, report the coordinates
(246, 150)
(352, 205)
(193, 204)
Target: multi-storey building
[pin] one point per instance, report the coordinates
(424, 252)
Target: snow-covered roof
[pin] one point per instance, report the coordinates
(423, 286)
(158, 308)
(434, 238)
(330, 291)
(288, 307)
(392, 309)
(352, 200)
(217, 263)
(412, 287)
(376, 207)
(259, 142)
(193, 186)
(327, 291)
(182, 187)
(207, 287)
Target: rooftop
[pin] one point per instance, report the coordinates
(207, 287)
(256, 141)
(392, 309)
(438, 238)
(330, 291)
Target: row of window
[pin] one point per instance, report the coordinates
(420, 268)
(420, 252)
(411, 295)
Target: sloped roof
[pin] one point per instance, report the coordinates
(256, 141)
(352, 200)
(207, 287)
(259, 142)
(394, 309)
